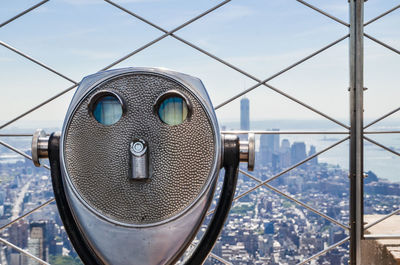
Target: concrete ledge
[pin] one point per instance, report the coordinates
(381, 251)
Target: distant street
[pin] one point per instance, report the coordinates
(18, 202)
(302, 216)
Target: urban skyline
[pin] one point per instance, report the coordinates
(260, 228)
(254, 232)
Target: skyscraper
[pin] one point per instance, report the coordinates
(273, 141)
(36, 242)
(244, 114)
(18, 234)
(285, 146)
(269, 146)
(265, 150)
(285, 155)
(313, 161)
(34, 247)
(298, 152)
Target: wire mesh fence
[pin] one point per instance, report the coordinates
(259, 81)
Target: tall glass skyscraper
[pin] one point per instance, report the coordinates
(244, 114)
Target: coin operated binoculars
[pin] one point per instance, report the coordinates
(136, 164)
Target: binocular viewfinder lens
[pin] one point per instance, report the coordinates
(173, 110)
(107, 110)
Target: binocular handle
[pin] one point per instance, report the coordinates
(200, 253)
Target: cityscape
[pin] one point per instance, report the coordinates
(316, 82)
(263, 227)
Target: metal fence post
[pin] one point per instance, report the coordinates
(356, 55)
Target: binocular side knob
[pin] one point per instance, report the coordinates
(247, 151)
(40, 145)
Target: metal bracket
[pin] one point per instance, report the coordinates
(40, 146)
(247, 151)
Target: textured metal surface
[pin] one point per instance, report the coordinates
(181, 156)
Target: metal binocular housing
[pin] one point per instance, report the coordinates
(136, 164)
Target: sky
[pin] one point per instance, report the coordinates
(80, 37)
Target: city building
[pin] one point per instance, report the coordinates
(284, 155)
(269, 149)
(34, 247)
(313, 151)
(244, 114)
(18, 234)
(36, 241)
(298, 152)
